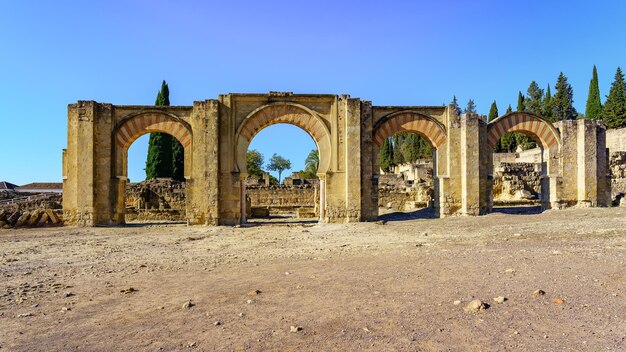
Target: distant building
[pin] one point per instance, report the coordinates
(7, 186)
(41, 187)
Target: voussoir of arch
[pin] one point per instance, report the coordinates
(538, 127)
(135, 125)
(289, 113)
(410, 121)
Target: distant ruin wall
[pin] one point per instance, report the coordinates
(159, 199)
(516, 183)
(282, 196)
(617, 166)
(616, 140)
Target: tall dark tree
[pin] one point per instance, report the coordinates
(520, 101)
(614, 112)
(509, 109)
(397, 141)
(493, 112)
(563, 101)
(533, 101)
(547, 104)
(159, 161)
(594, 105)
(178, 160)
(385, 157)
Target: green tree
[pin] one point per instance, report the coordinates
(594, 105)
(493, 112)
(509, 109)
(397, 141)
(533, 102)
(520, 101)
(279, 164)
(547, 105)
(159, 161)
(508, 142)
(455, 104)
(254, 163)
(563, 101)
(312, 162)
(614, 112)
(385, 156)
(471, 107)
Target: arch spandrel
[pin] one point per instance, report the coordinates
(289, 113)
(539, 128)
(410, 121)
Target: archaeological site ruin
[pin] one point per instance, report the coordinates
(573, 159)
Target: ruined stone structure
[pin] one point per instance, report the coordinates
(348, 133)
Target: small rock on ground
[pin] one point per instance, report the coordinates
(499, 299)
(475, 306)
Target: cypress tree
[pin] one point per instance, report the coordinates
(398, 140)
(533, 101)
(614, 112)
(547, 105)
(509, 109)
(520, 101)
(471, 107)
(493, 112)
(563, 101)
(159, 162)
(386, 155)
(594, 105)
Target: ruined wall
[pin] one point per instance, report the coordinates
(617, 166)
(282, 196)
(616, 139)
(517, 183)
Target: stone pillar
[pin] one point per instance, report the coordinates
(369, 185)
(592, 164)
(323, 198)
(88, 188)
(470, 164)
(353, 154)
(202, 183)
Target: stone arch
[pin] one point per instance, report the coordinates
(410, 121)
(133, 126)
(547, 137)
(288, 113)
(539, 128)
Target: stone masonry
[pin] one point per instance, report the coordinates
(348, 133)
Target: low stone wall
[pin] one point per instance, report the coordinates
(616, 140)
(282, 198)
(157, 194)
(517, 183)
(394, 192)
(617, 166)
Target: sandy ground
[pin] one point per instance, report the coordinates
(352, 287)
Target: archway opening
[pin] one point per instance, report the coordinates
(524, 151)
(155, 196)
(406, 182)
(517, 170)
(282, 183)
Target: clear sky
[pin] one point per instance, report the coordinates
(53, 53)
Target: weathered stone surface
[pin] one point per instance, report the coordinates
(348, 133)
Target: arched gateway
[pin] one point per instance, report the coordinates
(348, 133)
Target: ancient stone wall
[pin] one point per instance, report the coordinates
(616, 140)
(152, 200)
(280, 198)
(617, 166)
(517, 183)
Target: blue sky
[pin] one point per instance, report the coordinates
(392, 53)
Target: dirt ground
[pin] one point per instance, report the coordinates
(345, 287)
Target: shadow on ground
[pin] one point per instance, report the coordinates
(424, 213)
(519, 210)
